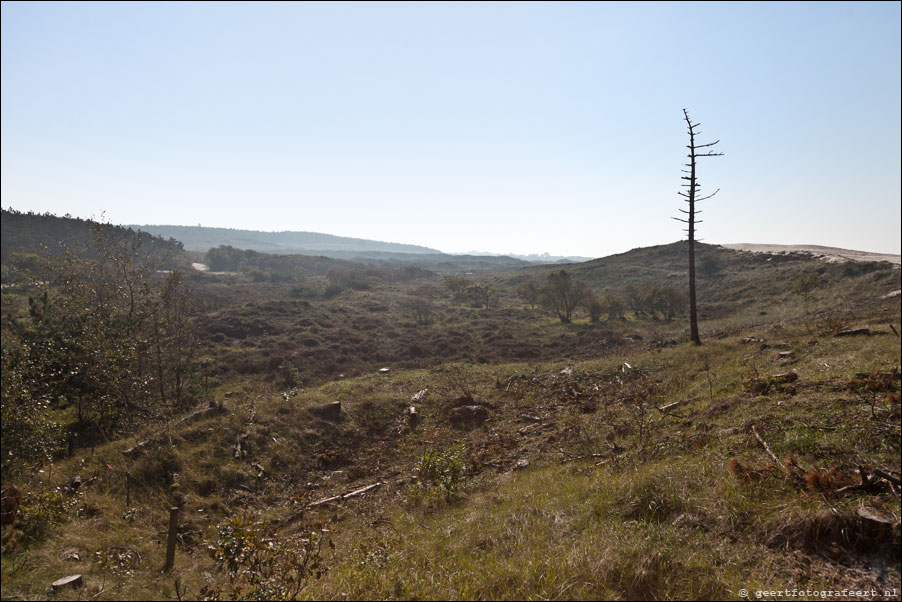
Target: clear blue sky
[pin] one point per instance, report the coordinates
(496, 127)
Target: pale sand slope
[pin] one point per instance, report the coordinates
(831, 254)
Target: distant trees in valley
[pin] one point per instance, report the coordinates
(651, 300)
(420, 310)
(477, 294)
(342, 274)
(561, 295)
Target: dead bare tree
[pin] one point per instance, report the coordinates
(691, 198)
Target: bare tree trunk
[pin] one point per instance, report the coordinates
(693, 312)
(691, 199)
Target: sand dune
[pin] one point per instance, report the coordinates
(831, 254)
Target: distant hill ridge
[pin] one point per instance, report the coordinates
(202, 238)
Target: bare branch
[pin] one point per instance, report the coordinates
(705, 198)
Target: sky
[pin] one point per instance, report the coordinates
(503, 127)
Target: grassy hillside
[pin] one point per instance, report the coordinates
(543, 460)
(737, 288)
(581, 483)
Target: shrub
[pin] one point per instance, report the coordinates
(262, 564)
(441, 472)
(417, 308)
(803, 285)
(456, 284)
(332, 291)
(529, 292)
(41, 510)
(596, 308)
(561, 295)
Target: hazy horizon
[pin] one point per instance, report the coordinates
(551, 253)
(498, 127)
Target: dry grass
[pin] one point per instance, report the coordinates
(651, 504)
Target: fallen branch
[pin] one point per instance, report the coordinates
(769, 451)
(819, 428)
(885, 475)
(792, 462)
(865, 485)
(616, 450)
(583, 457)
(619, 452)
(869, 481)
(334, 498)
(345, 496)
(669, 406)
(851, 332)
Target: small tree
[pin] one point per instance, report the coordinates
(669, 302)
(529, 292)
(596, 308)
(418, 308)
(803, 285)
(692, 198)
(480, 295)
(561, 295)
(455, 283)
(613, 306)
(634, 299)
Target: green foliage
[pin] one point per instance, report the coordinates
(30, 434)
(41, 510)
(441, 472)
(290, 375)
(105, 336)
(261, 563)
